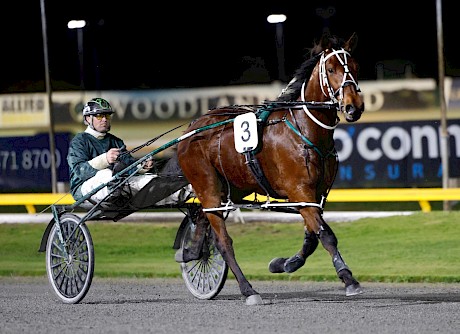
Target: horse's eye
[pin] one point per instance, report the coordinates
(330, 70)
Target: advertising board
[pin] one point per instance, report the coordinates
(394, 154)
(25, 162)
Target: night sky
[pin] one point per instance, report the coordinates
(161, 45)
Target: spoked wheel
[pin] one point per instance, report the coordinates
(206, 276)
(70, 262)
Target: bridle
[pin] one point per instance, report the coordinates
(327, 89)
(346, 80)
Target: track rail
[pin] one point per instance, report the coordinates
(422, 195)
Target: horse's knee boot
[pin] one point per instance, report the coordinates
(310, 243)
(327, 237)
(289, 265)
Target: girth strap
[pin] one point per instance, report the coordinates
(258, 173)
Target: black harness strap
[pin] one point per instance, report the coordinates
(251, 160)
(259, 175)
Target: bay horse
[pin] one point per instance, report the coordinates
(295, 159)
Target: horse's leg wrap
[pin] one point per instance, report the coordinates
(339, 264)
(193, 249)
(352, 286)
(330, 242)
(344, 273)
(289, 265)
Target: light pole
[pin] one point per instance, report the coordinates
(79, 25)
(278, 19)
(442, 98)
(50, 100)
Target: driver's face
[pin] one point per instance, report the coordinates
(101, 122)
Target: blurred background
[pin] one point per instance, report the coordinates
(139, 45)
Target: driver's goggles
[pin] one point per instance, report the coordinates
(101, 116)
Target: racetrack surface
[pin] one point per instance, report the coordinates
(28, 305)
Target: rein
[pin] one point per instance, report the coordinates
(312, 117)
(149, 142)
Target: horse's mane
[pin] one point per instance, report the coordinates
(292, 90)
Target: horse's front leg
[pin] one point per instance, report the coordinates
(316, 228)
(310, 242)
(329, 241)
(224, 244)
(289, 265)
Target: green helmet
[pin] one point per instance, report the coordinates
(97, 106)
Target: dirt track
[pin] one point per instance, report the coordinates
(27, 305)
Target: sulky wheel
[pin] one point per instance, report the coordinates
(206, 276)
(70, 261)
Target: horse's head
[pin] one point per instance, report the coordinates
(338, 73)
(329, 75)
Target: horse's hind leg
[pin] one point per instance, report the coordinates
(193, 250)
(329, 241)
(224, 244)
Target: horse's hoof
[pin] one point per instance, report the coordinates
(254, 300)
(179, 256)
(276, 266)
(353, 289)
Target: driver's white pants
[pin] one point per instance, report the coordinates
(134, 184)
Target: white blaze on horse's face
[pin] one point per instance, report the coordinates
(352, 113)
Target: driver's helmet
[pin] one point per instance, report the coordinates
(97, 106)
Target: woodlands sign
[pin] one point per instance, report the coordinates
(31, 110)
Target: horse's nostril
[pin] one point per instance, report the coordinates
(350, 109)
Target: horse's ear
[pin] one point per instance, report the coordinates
(325, 40)
(351, 44)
